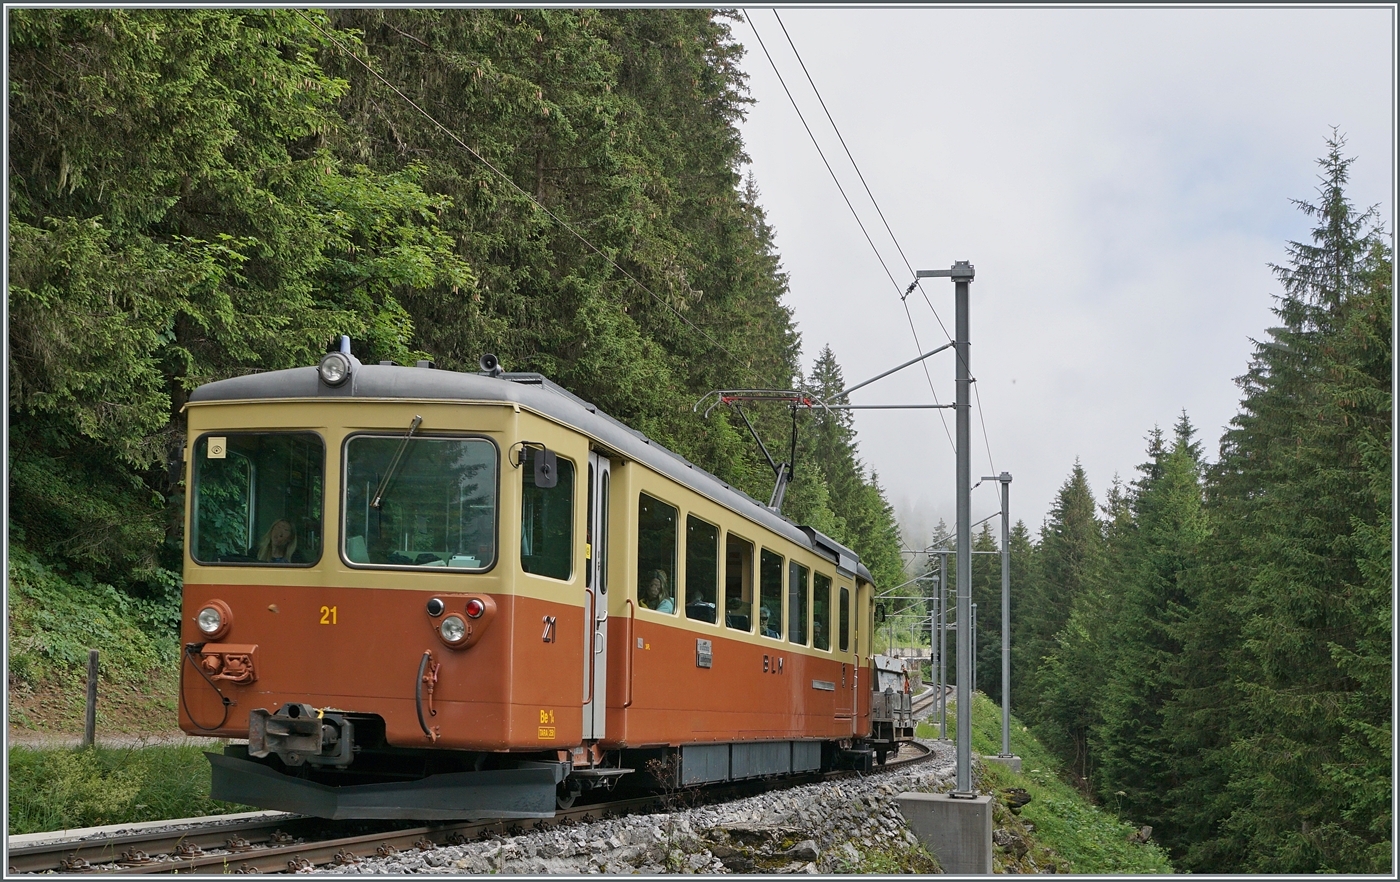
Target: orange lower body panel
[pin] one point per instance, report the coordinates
(518, 687)
(359, 651)
(749, 692)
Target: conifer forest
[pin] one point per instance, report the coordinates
(199, 193)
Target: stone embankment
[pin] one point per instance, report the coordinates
(847, 826)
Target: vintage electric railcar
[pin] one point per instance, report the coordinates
(428, 594)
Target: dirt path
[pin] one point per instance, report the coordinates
(52, 740)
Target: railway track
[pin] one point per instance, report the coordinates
(928, 699)
(293, 842)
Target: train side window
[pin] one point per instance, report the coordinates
(770, 594)
(701, 569)
(547, 524)
(798, 594)
(738, 584)
(821, 611)
(845, 613)
(257, 498)
(656, 554)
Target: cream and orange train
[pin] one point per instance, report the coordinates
(427, 594)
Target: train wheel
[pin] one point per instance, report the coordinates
(564, 796)
(880, 756)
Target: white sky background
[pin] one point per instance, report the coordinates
(1120, 179)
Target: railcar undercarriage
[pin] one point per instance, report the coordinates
(339, 766)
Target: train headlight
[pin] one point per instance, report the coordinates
(453, 630)
(209, 620)
(213, 619)
(334, 368)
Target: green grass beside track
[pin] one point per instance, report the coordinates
(1089, 837)
(65, 788)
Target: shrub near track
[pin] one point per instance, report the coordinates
(65, 788)
(1091, 839)
(56, 617)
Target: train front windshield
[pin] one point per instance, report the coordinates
(257, 498)
(420, 502)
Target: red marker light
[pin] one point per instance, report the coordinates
(475, 608)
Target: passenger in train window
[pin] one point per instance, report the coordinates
(278, 544)
(657, 594)
(763, 627)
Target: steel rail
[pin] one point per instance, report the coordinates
(205, 832)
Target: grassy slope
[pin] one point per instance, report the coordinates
(1087, 838)
(54, 619)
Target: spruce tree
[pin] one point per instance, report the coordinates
(1067, 558)
(1304, 485)
(1158, 569)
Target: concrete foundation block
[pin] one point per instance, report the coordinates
(1012, 762)
(956, 831)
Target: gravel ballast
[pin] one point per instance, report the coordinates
(814, 828)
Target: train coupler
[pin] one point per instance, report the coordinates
(299, 733)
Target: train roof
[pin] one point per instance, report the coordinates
(541, 395)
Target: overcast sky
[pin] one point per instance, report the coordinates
(1120, 179)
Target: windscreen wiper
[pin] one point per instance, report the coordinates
(394, 463)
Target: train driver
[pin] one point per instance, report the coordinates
(279, 543)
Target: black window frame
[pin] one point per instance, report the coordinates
(804, 594)
(193, 496)
(844, 611)
(825, 620)
(752, 614)
(717, 588)
(780, 625)
(432, 436)
(642, 575)
(527, 471)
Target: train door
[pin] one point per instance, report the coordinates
(595, 653)
(864, 621)
(846, 690)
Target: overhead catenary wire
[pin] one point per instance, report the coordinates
(501, 174)
(842, 190)
(884, 220)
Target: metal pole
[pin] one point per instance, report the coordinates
(933, 638)
(90, 725)
(974, 647)
(962, 277)
(943, 646)
(1005, 478)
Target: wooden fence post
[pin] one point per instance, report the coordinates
(90, 726)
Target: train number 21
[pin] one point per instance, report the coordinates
(328, 615)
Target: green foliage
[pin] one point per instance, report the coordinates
(1160, 573)
(55, 618)
(1066, 561)
(175, 217)
(897, 859)
(66, 788)
(1225, 673)
(1086, 839)
(847, 502)
(1300, 464)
